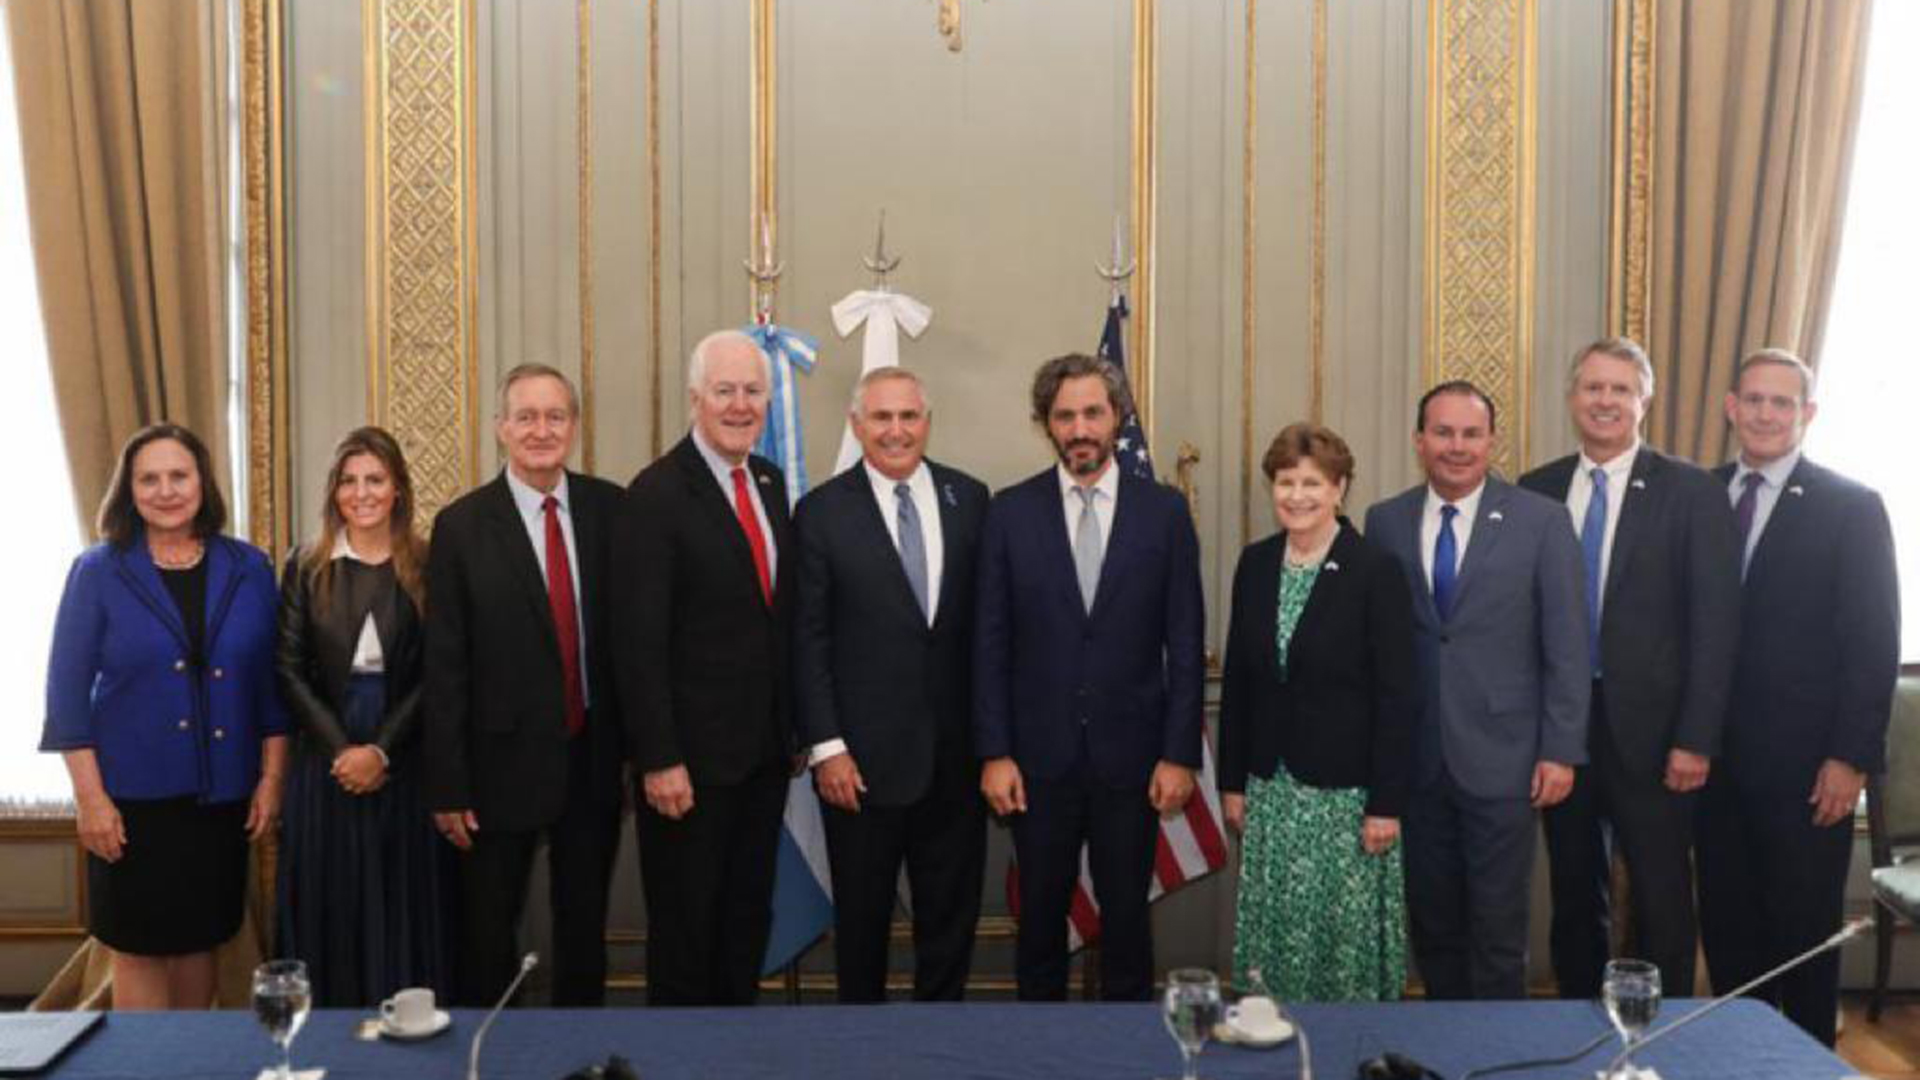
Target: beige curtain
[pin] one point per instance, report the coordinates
(1756, 103)
(122, 144)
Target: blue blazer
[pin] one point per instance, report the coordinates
(120, 681)
(1505, 681)
(1128, 676)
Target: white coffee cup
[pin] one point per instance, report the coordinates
(408, 1010)
(1254, 1015)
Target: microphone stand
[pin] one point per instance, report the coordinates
(527, 963)
(1845, 934)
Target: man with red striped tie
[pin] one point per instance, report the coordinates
(1088, 663)
(700, 620)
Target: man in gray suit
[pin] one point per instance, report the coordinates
(1500, 630)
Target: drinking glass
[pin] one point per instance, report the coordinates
(1631, 990)
(1191, 1008)
(281, 999)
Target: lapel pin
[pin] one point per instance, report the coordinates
(1638, 483)
(1796, 489)
(947, 490)
(765, 481)
(1332, 566)
(1496, 516)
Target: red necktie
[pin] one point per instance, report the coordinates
(750, 523)
(566, 623)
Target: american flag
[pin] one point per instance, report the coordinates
(1190, 845)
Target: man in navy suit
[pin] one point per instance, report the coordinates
(1812, 688)
(883, 691)
(1500, 633)
(1663, 596)
(1088, 665)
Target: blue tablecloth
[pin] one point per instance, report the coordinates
(1744, 1040)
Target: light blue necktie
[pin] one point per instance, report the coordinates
(1086, 547)
(1446, 559)
(1593, 543)
(913, 546)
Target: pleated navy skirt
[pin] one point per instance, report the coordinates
(366, 886)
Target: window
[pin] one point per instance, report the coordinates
(38, 553)
(1870, 366)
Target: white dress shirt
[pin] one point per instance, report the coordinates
(1773, 480)
(1106, 494)
(1619, 469)
(723, 475)
(1469, 506)
(367, 657)
(531, 503)
(927, 502)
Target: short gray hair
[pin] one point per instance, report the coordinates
(1782, 357)
(534, 370)
(702, 352)
(1619, 348)
(882, 374)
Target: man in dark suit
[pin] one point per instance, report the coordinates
(1663, 620)
(1501, 651)
(1812, 689)
(701, 618)
(1087, 678)
(883, 643)
(522, 728)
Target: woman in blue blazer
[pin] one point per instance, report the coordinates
(161, 695)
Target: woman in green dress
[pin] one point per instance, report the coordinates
(1316, 719)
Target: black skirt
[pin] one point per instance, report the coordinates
(181, 881)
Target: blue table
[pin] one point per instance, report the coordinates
(1745, 1041)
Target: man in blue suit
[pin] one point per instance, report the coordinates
(1501, 646)
(1088, 665)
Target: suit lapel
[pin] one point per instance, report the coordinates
(1786, 515)
(1127, 522)
(1487, 527)
(1055, 540)
(718, 506)
(871, 522)
(1636, 502)
(1327, 581)
(946, 504)
(587, 532)
(1405, 517)
(137, 570)
(523, 563)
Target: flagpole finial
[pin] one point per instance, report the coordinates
(1121, 268)
(765, 271)
(880, 264)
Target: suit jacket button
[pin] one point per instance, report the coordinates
(1446, 639)
(185, 724)
(219, 673)
(219, 733)
(179, 665)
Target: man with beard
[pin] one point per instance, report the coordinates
(1087, 678)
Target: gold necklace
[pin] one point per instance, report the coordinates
(170, 562)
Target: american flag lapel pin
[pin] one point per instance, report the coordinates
(947, 490)
(1332, 566)
(1796, 489)
(765, 480)
(1496, 516)
(1638, 483)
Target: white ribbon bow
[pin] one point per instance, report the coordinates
(886, 313)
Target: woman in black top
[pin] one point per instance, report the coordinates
(1315, 715)
(364, 882)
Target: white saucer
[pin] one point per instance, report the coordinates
(441, 1022)
(1264, 1038)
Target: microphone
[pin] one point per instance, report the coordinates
(527, 963)
(1841, 937)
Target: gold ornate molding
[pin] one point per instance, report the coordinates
(1249, 248)
(1629, 282)
(763, 218)
(1479, 205)
(583, 129)
(421, 300)
(655, 352)
(269, 517)
(1145, 156)
(1317, 236)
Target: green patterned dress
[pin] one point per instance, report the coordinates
(1320, 918)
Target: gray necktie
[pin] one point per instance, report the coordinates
(913, 546)
(1086, 547)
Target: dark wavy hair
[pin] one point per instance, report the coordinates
(118, 520)
(1046, 383)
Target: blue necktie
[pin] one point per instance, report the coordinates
(1593, 542)
(913, 546)
(1446, 559)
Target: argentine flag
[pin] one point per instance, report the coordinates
(802, 886)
